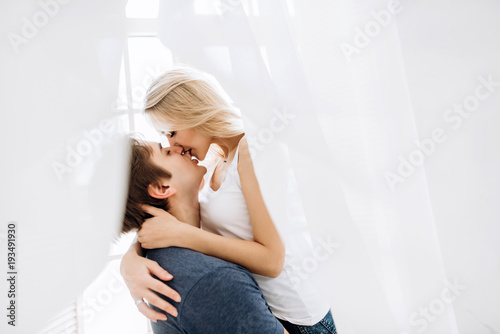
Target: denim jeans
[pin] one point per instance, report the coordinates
(324, 326)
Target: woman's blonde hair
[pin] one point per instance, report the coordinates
(184, 97)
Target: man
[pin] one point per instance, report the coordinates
(217, 296)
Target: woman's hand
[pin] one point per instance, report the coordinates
(137, 273)
(162, 230)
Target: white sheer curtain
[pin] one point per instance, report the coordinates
(414, 250)
(401, 237)
(63, 169)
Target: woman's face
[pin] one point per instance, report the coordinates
(191, 141)
(186, 174)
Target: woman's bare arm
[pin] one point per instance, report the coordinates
(137, 273)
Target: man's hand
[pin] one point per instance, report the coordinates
(137, 273)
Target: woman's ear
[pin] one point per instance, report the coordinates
(160, 191)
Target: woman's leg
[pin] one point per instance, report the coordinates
(324, 326)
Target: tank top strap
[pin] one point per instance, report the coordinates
(207, 178)
(234, 163)
(231, 174)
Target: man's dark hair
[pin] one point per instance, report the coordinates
(143, 172)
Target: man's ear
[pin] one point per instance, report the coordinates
(160, 191)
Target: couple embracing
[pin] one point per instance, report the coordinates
(208, 258)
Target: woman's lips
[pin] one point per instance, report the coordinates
(189, 154)
(193, 155)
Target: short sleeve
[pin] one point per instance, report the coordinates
(228, 300)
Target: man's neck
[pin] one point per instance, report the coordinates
(186, 208)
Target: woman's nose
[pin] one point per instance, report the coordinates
(171, 142)
(177, 149)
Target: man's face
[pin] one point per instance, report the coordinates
(186, 173)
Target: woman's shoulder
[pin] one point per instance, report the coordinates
(243, 141)
(243, 154)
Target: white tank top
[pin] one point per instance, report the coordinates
(225, 212)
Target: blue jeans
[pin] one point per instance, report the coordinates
(324, 326)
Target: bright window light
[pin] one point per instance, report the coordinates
(142, 9)
(204, 7)
(148, 59)
(291, 7)
(146, 131)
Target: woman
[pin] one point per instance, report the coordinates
(192, 111)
